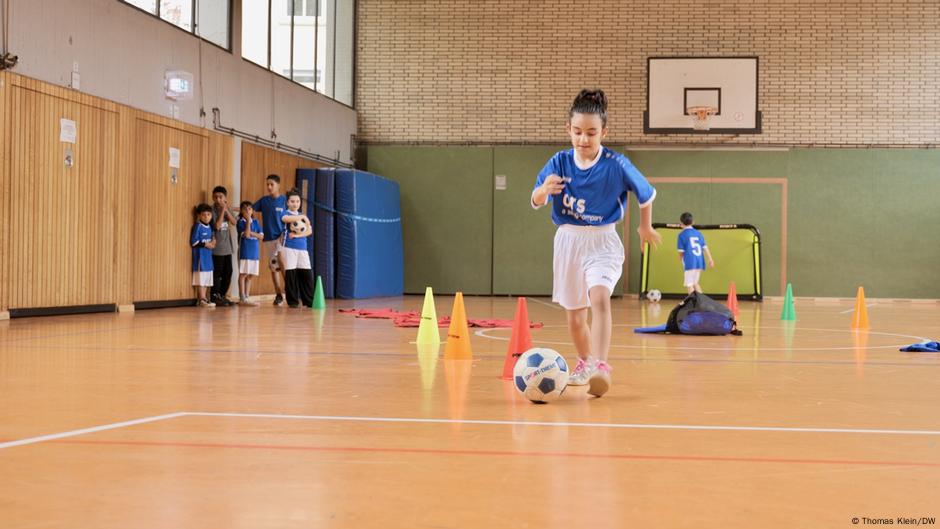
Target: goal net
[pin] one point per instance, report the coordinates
(735, 248)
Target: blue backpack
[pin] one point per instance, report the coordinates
(697, 314)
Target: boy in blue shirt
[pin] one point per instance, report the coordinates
(594, 183)
(272, 208)
(202, 243)
(249, 251)
(691, 246)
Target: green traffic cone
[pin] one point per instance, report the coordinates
(318, 301)
(789, 312)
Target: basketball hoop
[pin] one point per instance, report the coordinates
(700, 116)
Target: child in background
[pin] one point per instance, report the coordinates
(691, 245)
(249, 251)
(272, 208)
(222, 222)
(202, 243)
(298, 275)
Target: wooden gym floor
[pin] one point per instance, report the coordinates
(277, 418)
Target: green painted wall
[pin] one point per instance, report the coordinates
(447, 214)
(865, 217)
(855, 216)
(522, 236)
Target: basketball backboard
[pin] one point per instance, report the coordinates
(675, 84)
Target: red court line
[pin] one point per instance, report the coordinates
(503, 453)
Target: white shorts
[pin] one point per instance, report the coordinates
(692, 277)
(271, 250)
(248, 266)
(294, 259)
(585, 257)
(202, 279)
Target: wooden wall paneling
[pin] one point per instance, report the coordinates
(5, 198)
(60, 229)
(221, 163)
(110, 229)
(125, 200)
(162, 266)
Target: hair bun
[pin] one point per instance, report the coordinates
(590, 102)
(597, 97)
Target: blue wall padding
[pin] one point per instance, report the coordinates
(306, 185)
(370, 259)
(326, 229)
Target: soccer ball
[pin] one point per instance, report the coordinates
(541, 375)
(298, 227)
(654, 295)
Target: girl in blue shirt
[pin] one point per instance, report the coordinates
(298, 274)
(588, 187)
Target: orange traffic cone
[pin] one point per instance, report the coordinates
(457, 377)
(860, 316)
(521, 340)
(458, 336)
(733, 300)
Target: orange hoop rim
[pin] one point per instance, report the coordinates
(701, 112)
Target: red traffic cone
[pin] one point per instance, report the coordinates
(521, 340)
(733, 299)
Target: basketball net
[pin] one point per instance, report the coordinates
(700, 116)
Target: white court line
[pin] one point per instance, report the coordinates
(93, 429)
(698, 427)
(568, 424)
(552, 305)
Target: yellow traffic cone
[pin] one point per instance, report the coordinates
(428, 333)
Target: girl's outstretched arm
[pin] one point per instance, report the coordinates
(645, 230)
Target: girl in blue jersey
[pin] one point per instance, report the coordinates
(588, 187)
(298, 274)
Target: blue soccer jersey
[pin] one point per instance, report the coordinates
(202, 256)
(271, 209)
(596, 195)
(249, 248)
(690, 245)
(296, 243)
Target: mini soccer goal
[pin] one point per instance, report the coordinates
(735, 248)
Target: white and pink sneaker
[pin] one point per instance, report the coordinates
(582, 372)
(599, 381)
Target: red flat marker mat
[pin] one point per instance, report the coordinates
(413, 319)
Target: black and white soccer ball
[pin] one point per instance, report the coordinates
(298, 227)
(654, 295)
(541, 375)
